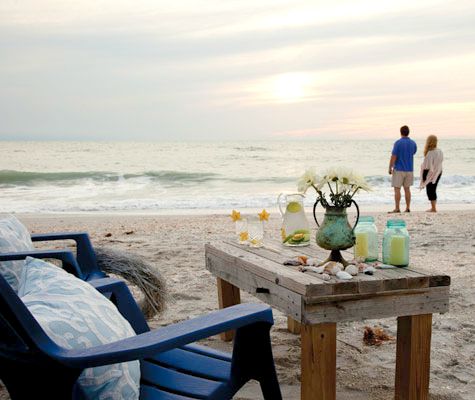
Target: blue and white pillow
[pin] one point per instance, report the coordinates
(77, 316)
(14, 237)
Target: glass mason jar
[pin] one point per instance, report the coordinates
(366, 234)
(396, 243)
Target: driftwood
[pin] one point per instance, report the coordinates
(138, 272)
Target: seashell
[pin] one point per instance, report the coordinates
(360, 260)
(312, 262)
(332, 268)
(369, 270)
(326, 277)
(303, 260)
(292, 262)
(343, 275)
(352, 269)
(361, 267)
(335, 269)
(317, 270)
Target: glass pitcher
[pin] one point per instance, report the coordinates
(295, 228)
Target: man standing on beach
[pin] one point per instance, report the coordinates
(401, 167)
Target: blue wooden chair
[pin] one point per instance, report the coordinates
(172, 367)
(85, 256)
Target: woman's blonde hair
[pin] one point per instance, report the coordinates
(431, 144)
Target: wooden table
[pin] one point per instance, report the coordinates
(314, 306)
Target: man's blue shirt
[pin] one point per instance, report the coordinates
(404, 150)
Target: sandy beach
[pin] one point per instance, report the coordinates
(442, 242)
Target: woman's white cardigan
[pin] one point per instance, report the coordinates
(432, 162)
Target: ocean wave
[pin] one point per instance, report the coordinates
(175, 176)
(11, 177)
(447, 180)
(26, 178)
(251, 148)
(170, 179)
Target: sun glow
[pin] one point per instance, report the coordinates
(291, 87)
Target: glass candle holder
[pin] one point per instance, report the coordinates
(242, 233)
(256, 232)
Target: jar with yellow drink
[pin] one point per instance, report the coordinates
(366, 235)
(396, 243)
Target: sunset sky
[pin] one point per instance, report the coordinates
(239, 69)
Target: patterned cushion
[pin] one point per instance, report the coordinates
(13, 237)
(77, 316)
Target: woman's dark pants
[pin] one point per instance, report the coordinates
(431, 187)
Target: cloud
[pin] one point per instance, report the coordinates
(114, 69)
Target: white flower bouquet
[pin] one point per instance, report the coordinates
(340, 183)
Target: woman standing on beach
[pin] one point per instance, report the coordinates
(431, 170)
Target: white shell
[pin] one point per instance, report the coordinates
(332, 268)
(343, 275)
(330, 264)
(352, 269)
(369, 269)
(335, 270)
(326, 277)
(317, 270)
(312, 262)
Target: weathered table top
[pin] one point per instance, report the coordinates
(308, 298)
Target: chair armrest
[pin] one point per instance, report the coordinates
(86, 257)
(41, 237)
(65, 256)
(166, 338)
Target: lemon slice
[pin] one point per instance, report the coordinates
(294, 207)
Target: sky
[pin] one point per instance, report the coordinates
(235, 69)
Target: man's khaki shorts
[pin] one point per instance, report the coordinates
(402, 178)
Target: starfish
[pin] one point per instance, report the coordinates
(243, 236)
(264, 215)
(235, 215)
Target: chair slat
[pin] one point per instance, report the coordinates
(194, 364)
(177, 382)
(152, 393)
(208, 351)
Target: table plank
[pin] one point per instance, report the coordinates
(362, 283)
(240, 257)
(334, 285)
(281, 298)
(412, 302)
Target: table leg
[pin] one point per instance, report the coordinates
(318, 375)
(293, 326)
(228, 295)
(413, 357)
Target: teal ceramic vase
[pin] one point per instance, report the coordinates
(335, 232)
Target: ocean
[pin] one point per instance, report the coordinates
(176, 177)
